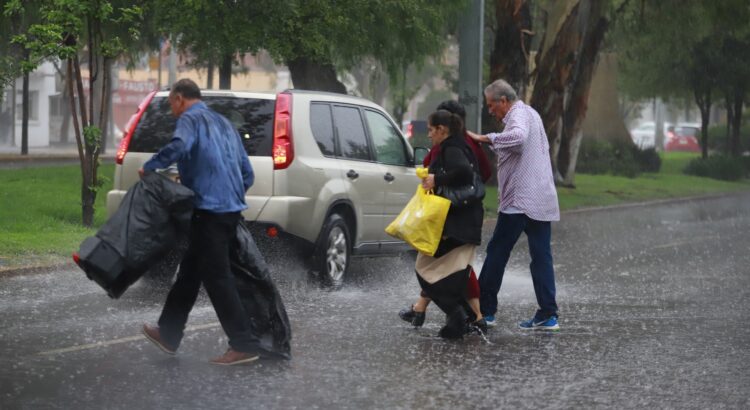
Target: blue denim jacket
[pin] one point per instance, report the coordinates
(210, 158)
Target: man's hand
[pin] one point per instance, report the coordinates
(428, 182)
(141, 172)
(478, 137)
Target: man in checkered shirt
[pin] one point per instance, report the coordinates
(528, 203)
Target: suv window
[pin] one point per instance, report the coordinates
(389, 148)
(253, 119)
(322, 128)
(351, 133)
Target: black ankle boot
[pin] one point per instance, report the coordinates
(455, 325)
(412, 316)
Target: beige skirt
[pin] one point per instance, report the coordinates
(434, 269)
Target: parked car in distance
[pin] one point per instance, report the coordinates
(683, 137)
(331, 170)
(643, 134)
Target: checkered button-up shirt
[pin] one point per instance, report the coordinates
(524, 172)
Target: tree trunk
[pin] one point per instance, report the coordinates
(554, 66)
(703, 100)
(735, 145)
(73, 111)
(85, 151)
(577, 104)
(25, 116)
(312, 75)
(371, 81)
(13, 107)
(108, 134)
(605, 116)
(225, 72)
(103, 106)
(730, 121)
(210, 74)
(98, 103)
(65, 127)
(400, 99)
(509, 59)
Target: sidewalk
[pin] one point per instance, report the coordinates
(58, 154)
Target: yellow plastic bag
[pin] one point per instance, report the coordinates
(420, 223)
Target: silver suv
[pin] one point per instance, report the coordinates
(331, 170)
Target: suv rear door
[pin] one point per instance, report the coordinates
(251, 116)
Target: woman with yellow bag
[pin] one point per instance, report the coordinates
(452, 174)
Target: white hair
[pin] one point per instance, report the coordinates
(500, 88)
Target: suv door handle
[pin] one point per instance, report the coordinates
(352, 174)
(388, 177)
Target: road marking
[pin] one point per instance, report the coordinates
(116, 341)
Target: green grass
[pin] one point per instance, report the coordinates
(675, 162)
(40, 213)
(40, 208)
(603, 190)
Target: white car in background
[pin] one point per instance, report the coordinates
(643, 134)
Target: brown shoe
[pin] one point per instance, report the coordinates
(152, 333)
(232, 357)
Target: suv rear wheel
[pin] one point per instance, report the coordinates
(331, 257)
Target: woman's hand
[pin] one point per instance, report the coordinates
(428, 182)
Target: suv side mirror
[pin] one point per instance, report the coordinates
(419, 155)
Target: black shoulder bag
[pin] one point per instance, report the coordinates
(464, 195)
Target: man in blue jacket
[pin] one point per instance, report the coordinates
(212, 162)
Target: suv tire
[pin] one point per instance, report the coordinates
(332, 253)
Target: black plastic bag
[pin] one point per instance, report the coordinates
(154, 214)
(259, 295)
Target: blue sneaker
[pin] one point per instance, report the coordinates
(490, 320)
(547, 324)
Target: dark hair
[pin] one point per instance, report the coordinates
(453, 106)
(446, 118)
(187, 88)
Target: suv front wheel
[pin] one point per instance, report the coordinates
(331, 257)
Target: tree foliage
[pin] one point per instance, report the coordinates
(99, 30)
(316, 39)
(699, 48)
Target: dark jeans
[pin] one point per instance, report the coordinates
(507, 232)
(207, 261)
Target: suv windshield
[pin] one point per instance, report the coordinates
(253, 119)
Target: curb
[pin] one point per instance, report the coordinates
(654, 202)
(34, 269)
(46, 157)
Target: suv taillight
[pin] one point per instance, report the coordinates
(283, 149)
(123, 148)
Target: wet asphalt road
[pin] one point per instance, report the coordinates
(653, 313)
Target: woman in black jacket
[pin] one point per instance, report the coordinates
(445, 275)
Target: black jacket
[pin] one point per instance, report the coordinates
(454, 167)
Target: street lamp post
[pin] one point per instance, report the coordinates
(470, 55)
